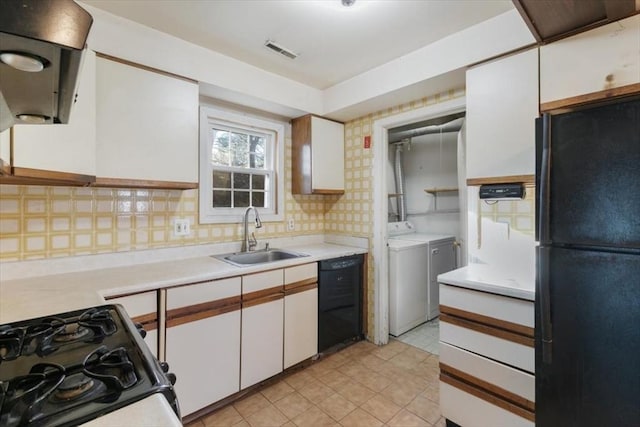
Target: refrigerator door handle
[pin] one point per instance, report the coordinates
(543, 293)
(544, 192)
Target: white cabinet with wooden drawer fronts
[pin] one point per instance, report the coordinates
(318, 156)
(147, 125)
(143, 309)
(69, 148)
(203, 341)
(591, 65)
(502, 105)
(487, 358)
(300, 313)
(262, 331)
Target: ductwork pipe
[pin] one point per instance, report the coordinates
(400, 184)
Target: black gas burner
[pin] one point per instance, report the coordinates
(68, 369)
(51, 333)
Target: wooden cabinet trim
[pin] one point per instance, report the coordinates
(149, 321)
(262, 296)
(298, 289)
(290, 286)
(488, 392)
(488, 330)
(489, 321)
(528, 180)
(144, 67)
(143, 183)
(192, 313)
(321, 191)
(47, 175)
(580, 100)
(301, 146)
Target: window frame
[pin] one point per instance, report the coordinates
(210, 117)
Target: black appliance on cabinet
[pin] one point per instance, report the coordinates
(339, 301)
(68, 369)
(588, 275)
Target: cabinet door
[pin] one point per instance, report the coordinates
(502, 105)
(300, 313)
(604, 58)
(262, 330)
(67, 147)
(147, 124)
(327, 155)
(262, 341)
(143, 309)
(203, 341)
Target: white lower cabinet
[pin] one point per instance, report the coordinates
(300, 313)
(203, 341)
(262, 330)
(143, 309)
(486, 359)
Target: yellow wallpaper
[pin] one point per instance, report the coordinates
(352, 214)
(519, 214)
(44, 222)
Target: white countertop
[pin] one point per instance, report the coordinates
(483, 277)
(47, 295)
(31, 297)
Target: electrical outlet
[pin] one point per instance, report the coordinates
(291, 225)
(181, 227)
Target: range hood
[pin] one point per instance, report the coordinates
(44, 39)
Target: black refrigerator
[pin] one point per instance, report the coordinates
(587, 303)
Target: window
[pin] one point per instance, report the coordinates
(241, 162)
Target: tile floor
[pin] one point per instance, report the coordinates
(362, 385)
(425, 336)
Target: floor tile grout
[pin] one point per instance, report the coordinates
(363, 384)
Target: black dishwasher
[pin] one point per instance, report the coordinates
(339, 300)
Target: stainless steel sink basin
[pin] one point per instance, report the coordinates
(243, 259)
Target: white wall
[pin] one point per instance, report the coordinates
(429, 162)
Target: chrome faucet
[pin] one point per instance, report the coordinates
(250, 243)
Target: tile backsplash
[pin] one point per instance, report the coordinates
(44, 222)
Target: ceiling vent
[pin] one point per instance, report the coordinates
(280, 49)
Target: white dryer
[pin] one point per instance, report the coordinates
(415, 260)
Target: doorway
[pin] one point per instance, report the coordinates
(382, 129)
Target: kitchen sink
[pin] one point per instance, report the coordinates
(243, 259)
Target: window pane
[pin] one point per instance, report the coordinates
(240, 199)
(221, 179)
(241, 180)
(257, 151)
(257, 199)
(221, 199)
(257, 182)
(220, 147)
(239, 150)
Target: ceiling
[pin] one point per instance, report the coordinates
(334, 43)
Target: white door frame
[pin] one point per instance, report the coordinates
(380, 202)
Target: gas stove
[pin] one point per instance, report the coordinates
(70, 368)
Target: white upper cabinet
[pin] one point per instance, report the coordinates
(502, 105)
(147, 124)
(63, 147)
(318, 156)
(603, 59)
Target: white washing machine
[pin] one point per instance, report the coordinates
(415, 260)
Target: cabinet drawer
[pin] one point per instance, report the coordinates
(469, 410)
(138, 305)
(185, 296)
(470, 337)
(301, 273)
(515, 385)
(512, 310)
(261, 281)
